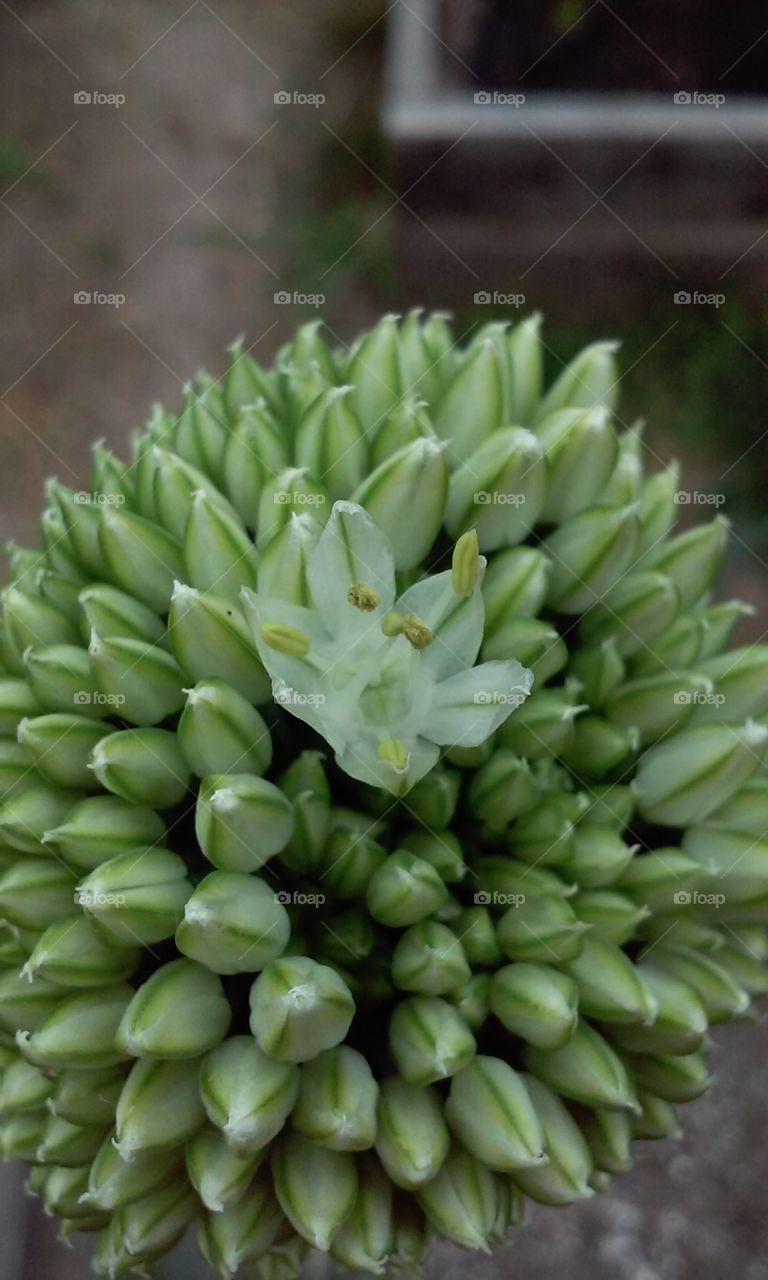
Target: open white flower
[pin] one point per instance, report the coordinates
(387, 681)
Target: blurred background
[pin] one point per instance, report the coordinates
(175, 174)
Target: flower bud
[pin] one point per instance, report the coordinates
(220, 732)
(149, 1227)
(599, 746)
(657, 1118)
(60, 746)
(590, 553)
(337, 1100)
(101, 827)
(478, 936)
(61, 678)
(366, 1238)
(141, 557)
(219, 1175)
(610, 987)
(144, 766)
(255, 450)
(471, 1000)
(600, 671)
(413, 479)
(590, 379)
(17, 699)
(746, 970)
(581, 450)
(291, 492)
(653, 878)
(233, 923)
(612, 916)
(673, 1078)
(585, 1069)
(433, 800)
(142, 682)
(88, 1097)
(159, 1108)
(719, 621)
(686, 777)
(23, 1087)
(501, 876)
(246, 382)
(62, 1191)
(535, 643)
(741, 679)
(404, 890)
(316, 1187)
(412, 1138)
(30, 620)
(209, 638)
(21, 1135)
(241, 821)
(218, 553)
(441, 849)
(472, 406)
(282, 568)
(350, 861)
(499, 490)
(542, 726)
(515, 585)
(80, 1030)
(246, 1094)
(299, 1008)
(681, 1019)
(429, 1040)
(35, 892)
(374, 374)
(25, 1004)
(26, 816)
(677, 649)
(243, 1231)
(175, 484)
(722, 997)
(429, 959)
(502, 789)
(535, 1002)
(599, 856)
(461, 1201)
(137, 896)
(612, 804)
(157, 1022)
(564, 1176)
(110, 612)
(330, 442)
(691, 559)
(510, 1211)
(542, 930)
(68, 1145)
(639, 609)
(70, 953)
(525, 353)
(609, 1137)
(658, 705)
(490, 1112)
(545, 835)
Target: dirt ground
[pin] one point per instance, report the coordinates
(182, 199)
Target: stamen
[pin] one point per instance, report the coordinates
(416, 632)
(363, 597)
(465, 563)
(394, 752)
(285, 639)
(393, 624)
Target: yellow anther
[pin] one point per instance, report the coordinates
(394, 752)
(286, 639)
(465, 563)
(363, 597)
(416, 632)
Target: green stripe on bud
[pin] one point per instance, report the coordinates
(330, 443)
(429, 1040)
(374, 372)
(434, 799)
(282, 567)
(564, 1178)
(477, 931)
(137, 896)
(611, 988)
(175, 484)
(299, 1008)
(30, 620)
(142, 683)
(159, 1108)
(241, 1232)
(692, 559)
(157, 1022)
(59, 746)
(70, 953)
(17, 699)
(675, 1078)
(515, 585)
(23, 1004)
(337, 1100)
(429, 959)
(639, 609)
(585, 1069)
(441, 849)
(69, 1145)
(599, 858)
(491, 1113)
(220, 732)
(612, 916)
(350, 860)
(100, 828)
(23, 1087)
(681, 1019)
(609, 1136)
(247, 1095)
(20, 1137)
(62, 1191)
(721, 995)
(472, 406)
(461, 1201)
(36, 892)
(534, 642)
(500, 489)
(591, 378)
(26, 816)
(541, 930)
(241, 821)
(657, 1118)
(412, 482)
(542, 726)
(209, 637)
(502, 789)
(365, 1240)
(599, 746)
(471, 1000)
(292, 492)
(88, 1097)
(218, 553)
(404, 890)
(80, 1031)
(535, 1002)
(412, 1139)
(111, 612)
(256, 450)
(581, 450)
(149, 1227)
(144, 766)
(284, 638)
(600, 671)
(741, 681)
(142, 558)
(658, 705)
(114, 1181)
(219, 1175)
(62, 679)
(233, 923)
(590, 552)
(653, 878)
(685, 778)
(316, 1187)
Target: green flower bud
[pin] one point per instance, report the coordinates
(625, 481)
(149, 1227)
(658, 705)
(599, 858)
(541, 930)
(472, 406)
(255, 450)
(101, 827)
(476, 929)
(681, 1019)
(23, 1087)
(719, 621)
(70, 953)
(585, 1069)
(502, 789)
(429, 1040)
(691, 559)
(141, 682)
(590, 552)
(525, 354)
(245, 381)
(233, 923)
(612, 804)
(16, 772)
(159, 1108)
(374, 374)
(330, 443)
(673, 1078)
(137, 896)
(677, 649)
(282, 568)
(299, 1008)
(241, 821)
(720, 994)
(653, 878)
(350, 860)
(110, 612)
(412, 1138)
(636, 612)
(175, 484)
(69, 1145)
(461, 1201)
(471, 1000)
(337, 1100)
(404, 890)
(535, 643)
(686, 777)
(746, 811)
(612, 916)
(220, 732)
(515, 585)
(510, 1211)
(415, 478)
(505, 882)
(292, 492)
(352, 938)
(490, 1112)
(746, 970)
(35, 892)
(144, 766)
(88, 1097)
(598, 746)
(114, 1181)
(429, 959)
(611, 988)
(200, 433)
(142, 558)
(17, 699)
(433, 800)
(30, 620)
(20, 1137)
(316, 1187)
(657, 1118)
(366, 1238)
(600, 671)
(542, 726)
(61, 678)
(219, 1175)
(246, 1094)
(545, 835)
(60, 746)
(740, 678)
(218, 553)
(441, 849)
(80, 1030)
(62, 1191)
(590, 379)
(733, 862)
(609, 1137)
(581, 449)
(499, 490)
(26, 816)
(209, 637)
(535, 1002)
(564, 1175)
(25, 1004)
(407, 421)
(157, 1022)
(243, 1231)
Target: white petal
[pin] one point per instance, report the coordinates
(361, 760)
(456, 622)
(468, 707)
(351, 550)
